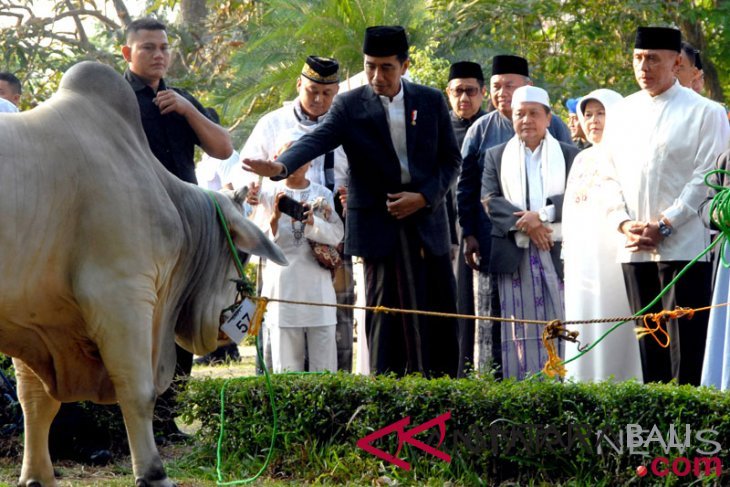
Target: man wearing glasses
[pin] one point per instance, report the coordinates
(466, 91)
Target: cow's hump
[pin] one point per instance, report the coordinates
(100, 83)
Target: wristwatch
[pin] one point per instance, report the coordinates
(664, 229)
(542, 215)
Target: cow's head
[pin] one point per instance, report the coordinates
(215, 272)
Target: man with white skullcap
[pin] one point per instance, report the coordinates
(522, 188)
(509, 72)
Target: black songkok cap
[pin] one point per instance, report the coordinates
(385, 40)
(466, 69)
(658, 38)
(321, 70)
(506, 64)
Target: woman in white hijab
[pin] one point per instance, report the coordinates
(594, 285)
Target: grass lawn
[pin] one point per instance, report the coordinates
(119, 473)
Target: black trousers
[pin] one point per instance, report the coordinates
(465, 306)
(412, 279)
(683, 359)
(166, 405)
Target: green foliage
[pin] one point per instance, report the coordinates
(573, 46)
(427, 68)
(287, 31)
(10, 413)
(321, 417)
(244, 57)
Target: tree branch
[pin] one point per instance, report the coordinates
(122, 12)
(83, 38)
(78, 13)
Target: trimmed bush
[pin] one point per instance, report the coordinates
(499, 432)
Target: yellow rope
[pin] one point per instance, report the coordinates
(554, 330)
(258, 314)
(384, 309)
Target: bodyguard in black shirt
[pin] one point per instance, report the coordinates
(174, 122)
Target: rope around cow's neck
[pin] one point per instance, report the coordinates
(274, 431)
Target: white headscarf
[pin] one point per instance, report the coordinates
(605, 97)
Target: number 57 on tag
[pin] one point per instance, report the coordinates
(238, 324)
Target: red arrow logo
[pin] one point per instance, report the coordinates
(407, 437)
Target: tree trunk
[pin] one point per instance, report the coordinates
(192, 17)
(122, 12)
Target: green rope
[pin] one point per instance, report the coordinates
(267, 376)
(224, 224)
(221, 434)
(720, 207)
(239, 268)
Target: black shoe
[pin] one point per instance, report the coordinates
(168, 432)
(178, 437)
(99, 458)
(225, 353)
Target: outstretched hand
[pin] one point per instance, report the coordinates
(262, 167)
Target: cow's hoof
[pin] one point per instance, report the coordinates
(155, 483)
(36, 483)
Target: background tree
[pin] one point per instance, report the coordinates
(285, 32)
(575, 46)
(243, 56)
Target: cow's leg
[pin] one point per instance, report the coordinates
(128, 360)
(39, 409)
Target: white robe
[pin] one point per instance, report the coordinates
(303, 279)
(279, 127)
(594, 285)
(658, 151)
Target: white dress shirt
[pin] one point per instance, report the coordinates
(533, 170)
(395, 111)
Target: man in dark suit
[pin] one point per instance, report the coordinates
(523, 186)
(403, 158)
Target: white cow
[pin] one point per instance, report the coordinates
(105, 260)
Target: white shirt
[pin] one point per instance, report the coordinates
(657, 151)
(213, 173)
(273, 131)
(395, 112)
(533, 170)
(7, 107)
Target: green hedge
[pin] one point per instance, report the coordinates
(321, 417)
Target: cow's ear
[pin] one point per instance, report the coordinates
(238, 196)
(246, 235)
(249, 238)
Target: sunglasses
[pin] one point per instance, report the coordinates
(470, 91)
